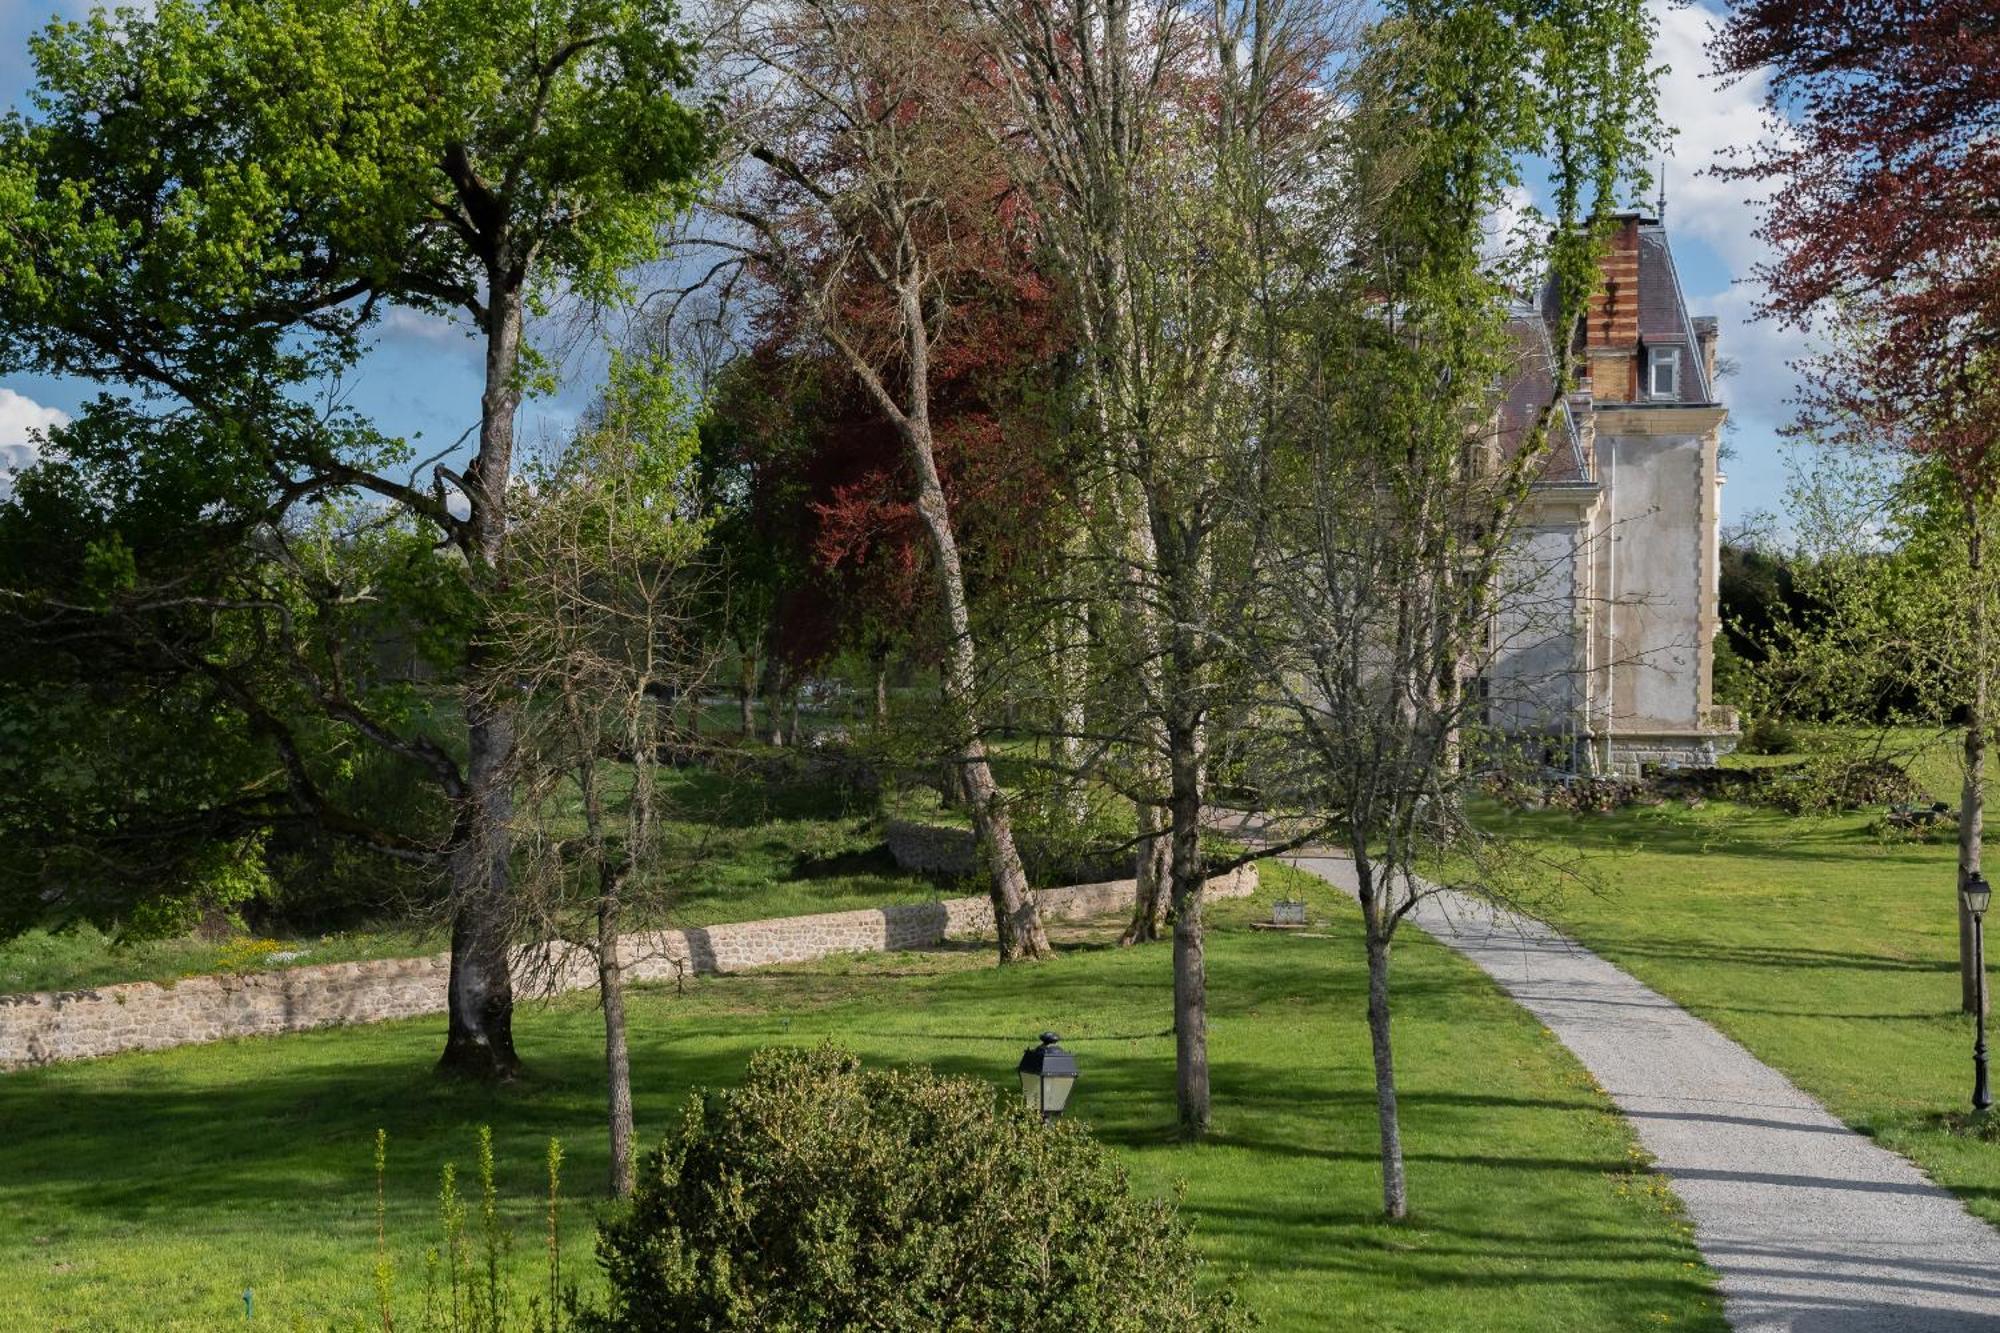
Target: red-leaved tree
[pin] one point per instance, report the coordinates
(1883, 168)
(862, 195)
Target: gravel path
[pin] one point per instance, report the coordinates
(1812, 1227)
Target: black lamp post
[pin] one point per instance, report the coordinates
(1977, 895)
(1047, 1072)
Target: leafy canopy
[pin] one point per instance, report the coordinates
(213, 202)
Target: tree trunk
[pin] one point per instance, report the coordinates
(617, 1060)
(1972, 798)
(479, 1040)
(746, 684)
(1153, 876)
(792, 712)
(771, 687)
(1016, 918)
(479, 1037)
(1190, 966)
(882, 686)
(1395, 1187)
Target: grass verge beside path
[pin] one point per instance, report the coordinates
(1828, 952)
(151, 1190)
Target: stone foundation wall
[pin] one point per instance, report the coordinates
(51, 1026)
(1631, 754)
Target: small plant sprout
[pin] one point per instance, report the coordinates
(384, 1267)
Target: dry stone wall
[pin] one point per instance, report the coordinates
(51, 1026)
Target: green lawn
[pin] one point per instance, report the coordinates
(1828, 951)
(150, 1190)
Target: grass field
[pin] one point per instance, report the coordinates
(149, 1191)
(1828, 950)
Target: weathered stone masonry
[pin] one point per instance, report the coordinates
(51, 1026)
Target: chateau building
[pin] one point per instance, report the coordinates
(1604, 634)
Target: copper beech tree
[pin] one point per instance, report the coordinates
(855, 198)
(1882, 168)
(822, 479)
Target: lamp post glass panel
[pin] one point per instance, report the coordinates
(1977, 895)
(1048, 1072)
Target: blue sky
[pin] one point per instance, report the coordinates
(423, 377)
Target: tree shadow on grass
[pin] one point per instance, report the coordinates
(1898, 1016)
(875, 860)
(1777, 956)
(281, 1130)
(1753, 833)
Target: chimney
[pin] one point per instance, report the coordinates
(1704, 338)
(1611, 326)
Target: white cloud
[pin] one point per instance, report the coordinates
(418, 326)
(1763, 351)
(1712, 120)
(22, 421)
(1501, 225)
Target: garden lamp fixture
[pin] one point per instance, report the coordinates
(1048, 1072)
(1976, 895)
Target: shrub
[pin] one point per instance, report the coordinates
(1769, 735)
(822, 1196)
(1590, 796)
(1070, 836)
(1835, 782)
(206, 893)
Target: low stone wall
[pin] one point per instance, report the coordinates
(51, 1026)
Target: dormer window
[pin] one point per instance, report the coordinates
(1663, 372)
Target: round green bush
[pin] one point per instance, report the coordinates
(821, 1196)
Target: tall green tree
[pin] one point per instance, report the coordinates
(1161, 147)
(210, 206)
(1390, 515)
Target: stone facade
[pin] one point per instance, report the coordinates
(1606, 616)
(52, 1026)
